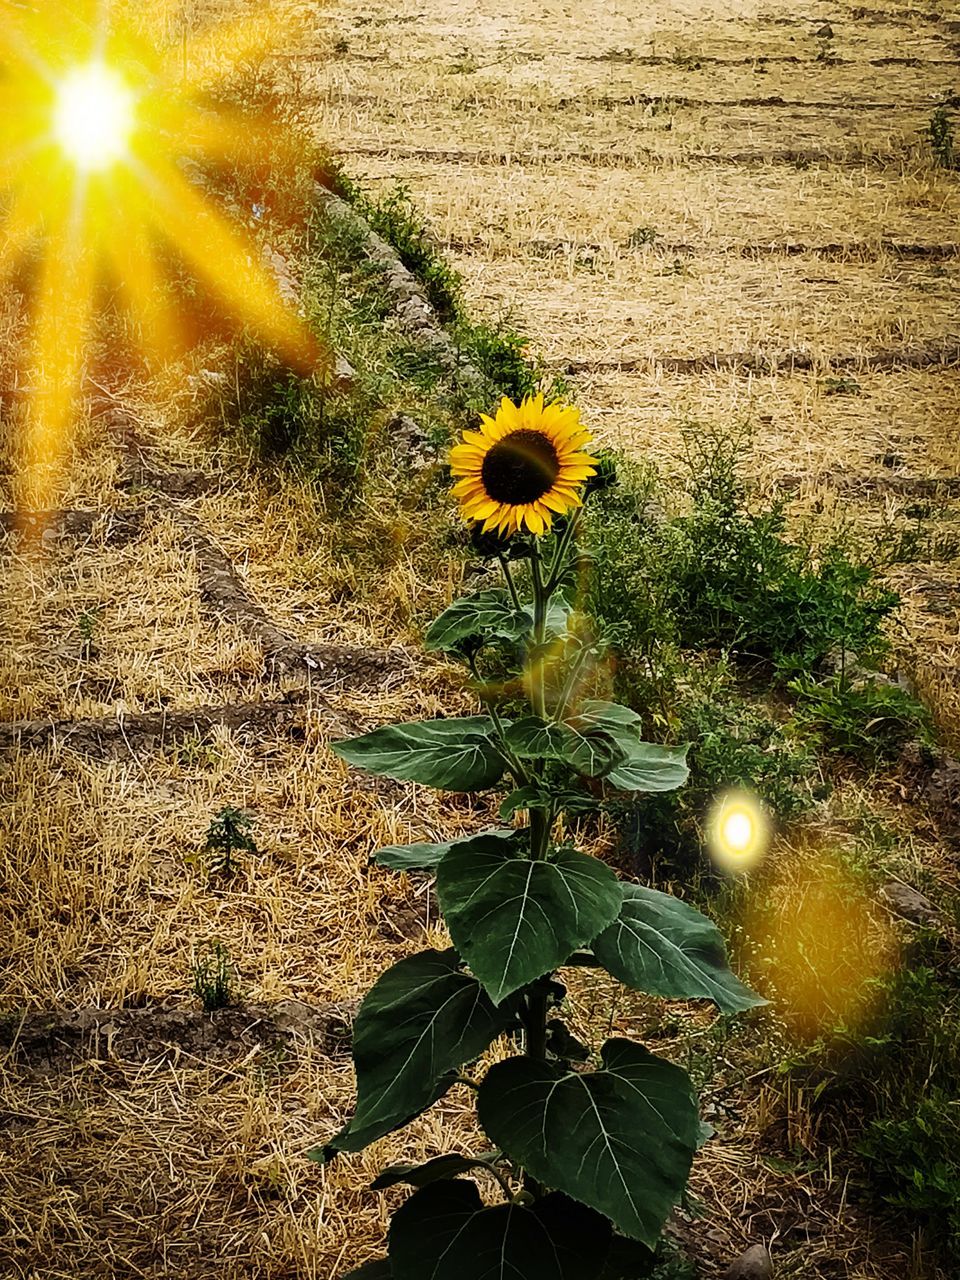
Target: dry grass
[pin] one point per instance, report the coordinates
(177, 1168)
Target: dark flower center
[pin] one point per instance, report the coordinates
(520, 468)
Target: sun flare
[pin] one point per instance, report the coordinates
(107, 135)
(94, 116)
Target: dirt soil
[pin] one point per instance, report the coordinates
(698, 217)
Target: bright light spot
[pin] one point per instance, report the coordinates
(94, 116)
(737, 831)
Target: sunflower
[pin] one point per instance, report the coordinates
(522, 467)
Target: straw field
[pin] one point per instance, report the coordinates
(698, 215)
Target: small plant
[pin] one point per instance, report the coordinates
(87, 627)
(213, 976)
(942, 139)
(227, 835)
(586, 1158)
(641, 236)
(502, 354)
(869, 719)
(840, 387)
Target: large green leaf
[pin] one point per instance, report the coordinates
(445, 1232)
(422, 1020)
(424, 857)
(488, 615)
(534, 739)
(513, 919)
(641, 766)
(649, 767)
(453, 755)
(620, 1139)
(666, 947)
(435, 1170)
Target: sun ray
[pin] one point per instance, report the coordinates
(104, 139)
(229, 264)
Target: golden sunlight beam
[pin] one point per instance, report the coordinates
(106, 141)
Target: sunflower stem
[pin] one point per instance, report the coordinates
(505, 565)
(541, 598)
(561, 550)
(520, 775)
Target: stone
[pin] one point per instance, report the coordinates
(754, 1264)
(909, 903)
(825, 32)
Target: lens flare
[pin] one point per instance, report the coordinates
(738, 831)
(94, 116)
(109, 137)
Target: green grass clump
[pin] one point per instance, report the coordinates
(868, 719)
(213, 977)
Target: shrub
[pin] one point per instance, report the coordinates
(724, 577)
(869, 719)
(940, 134)
(736, 744)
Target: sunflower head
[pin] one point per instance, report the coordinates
(522, 467)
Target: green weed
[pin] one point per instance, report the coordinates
(869, 719)
(213, 977)
(229, 833)
(942, 139)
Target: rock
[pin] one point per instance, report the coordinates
(755, 1264)
(909, 903)
(825, 32)
(409, 436)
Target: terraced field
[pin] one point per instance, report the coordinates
(697, 218)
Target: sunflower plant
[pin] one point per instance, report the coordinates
(587, 1152)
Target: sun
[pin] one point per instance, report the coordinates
(106, 133)
(94, 116)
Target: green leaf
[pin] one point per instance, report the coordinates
(620, 1139)
(424, 857)
(533, 739)
(453, 755)
(665, 947)
(643, 766)
(650, 767)
(445, 1232)
(440, 1167)
(379, 1269)
(610, 716)
(603, 733)
(513, 919)
(533, 797)
(488, 614)
(421, 1021)
(563, 1045)
(529, 797)
(594, 753)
